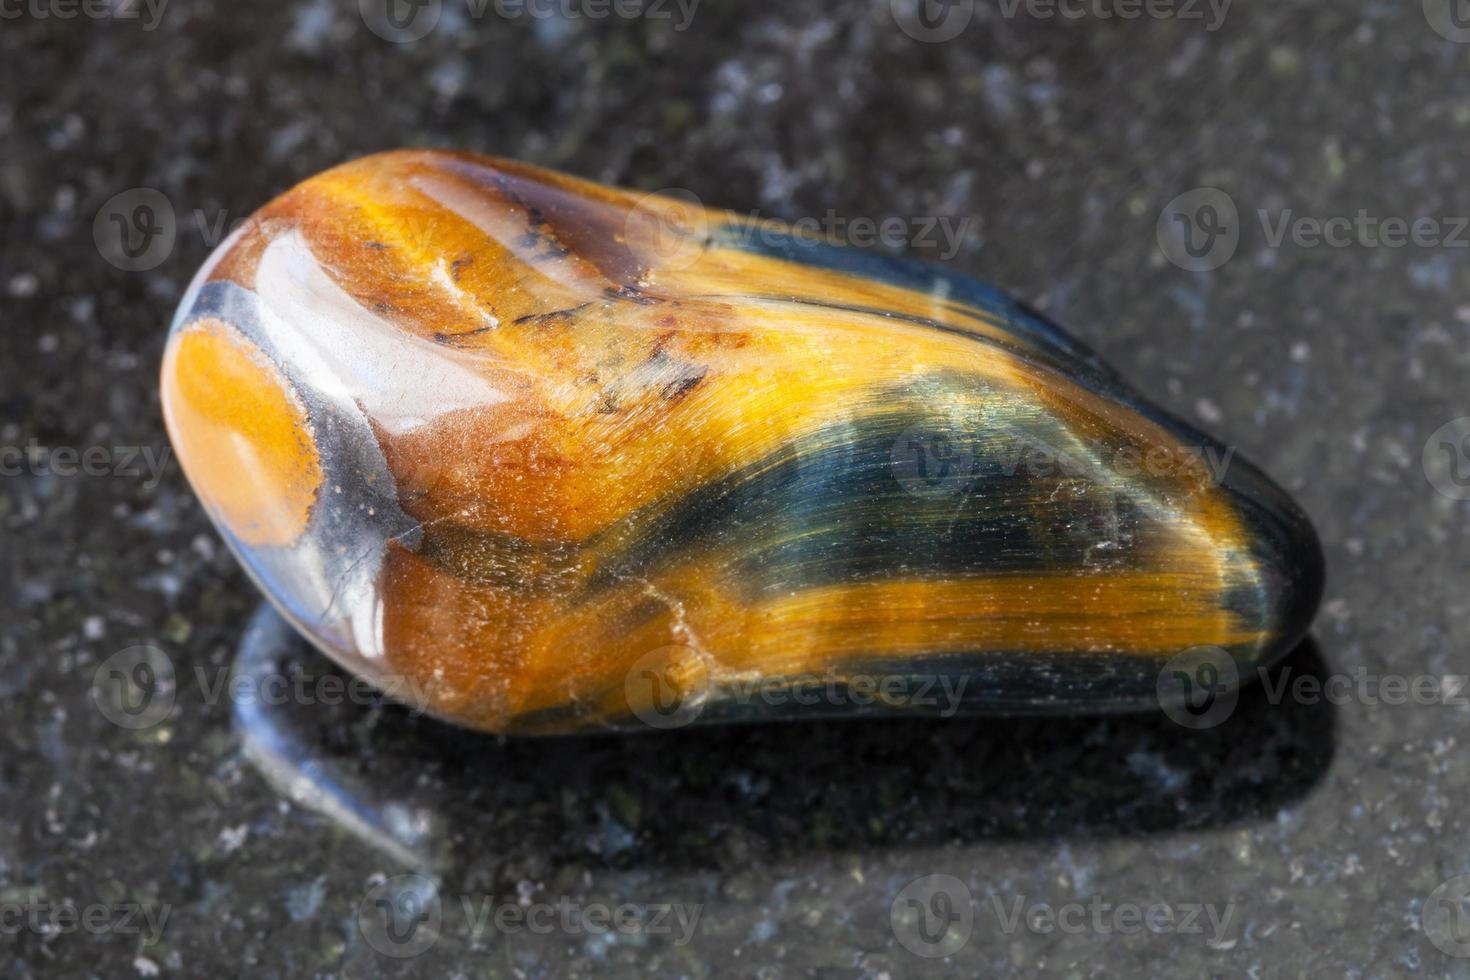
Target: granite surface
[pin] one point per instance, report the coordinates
(1307, 833)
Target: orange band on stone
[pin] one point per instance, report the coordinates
(242, 432)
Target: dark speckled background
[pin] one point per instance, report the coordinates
(1323, 827)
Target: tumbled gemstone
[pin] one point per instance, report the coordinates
(541, 455)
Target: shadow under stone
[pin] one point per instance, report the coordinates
(444, 799)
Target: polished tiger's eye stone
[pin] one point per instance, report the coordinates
(541, 455)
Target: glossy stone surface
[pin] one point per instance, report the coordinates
(540, 455)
